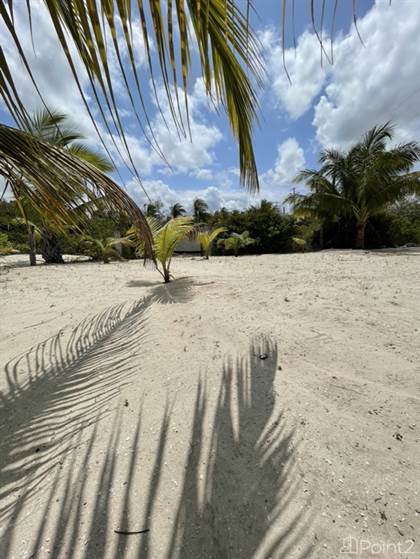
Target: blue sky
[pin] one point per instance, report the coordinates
(326, 105)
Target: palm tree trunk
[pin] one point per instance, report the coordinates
(360, 235)
(32, 245)
(321, 236)
(166, 274)
(50, 248)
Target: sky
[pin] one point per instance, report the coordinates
(371, 81)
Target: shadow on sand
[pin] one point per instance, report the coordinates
(239, 486)
(179, 290)
(400, 251)
(56, 390)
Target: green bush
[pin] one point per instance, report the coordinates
(6, 246)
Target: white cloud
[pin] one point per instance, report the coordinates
(368, 84)
(276, 182)
(216, 197)
(275, 185)
(183, 154)
(379, 82)
(156, 189)
(204, 174)
(306, 73)
(48, 64)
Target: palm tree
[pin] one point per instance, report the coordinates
(229, 59)
(177, 210)
(235, 242)
(34, 234)
(105, 249)
(50, 126)
(55, 182)
(200, 210)
(361, 182)
(206, 239)
(165, 239)
(154, 209)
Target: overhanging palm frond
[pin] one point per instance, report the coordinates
(102, 31)
(56, 183)
(91, 156)
(49, 125)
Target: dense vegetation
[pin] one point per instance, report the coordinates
(359, 184)
(364, 197)
(272, 230)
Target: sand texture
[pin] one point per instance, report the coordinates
(257, 407)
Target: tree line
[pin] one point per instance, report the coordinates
(364, 197)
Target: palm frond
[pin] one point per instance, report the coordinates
(55, 182)
(207, 238)
(165, 240)
(315, 7)
(168, 236)
(228, 54)
(91, 156)
(375, 139)
(49, 125)
(177, 210)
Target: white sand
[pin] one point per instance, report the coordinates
(129, 405)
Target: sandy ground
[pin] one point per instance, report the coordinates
(257, 407)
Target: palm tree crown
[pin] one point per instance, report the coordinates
(177, 210)
(51, 126)
(200, 209)
(361, 182)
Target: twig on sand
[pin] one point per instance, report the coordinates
(127, 533)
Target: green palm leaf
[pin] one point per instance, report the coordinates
(229, 58)
(91, 156)
(56, 183)
(361, 182)
(165, 239)
(206, 239)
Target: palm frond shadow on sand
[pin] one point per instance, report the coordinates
(56, 390)
(179, 290)
(242, 509)
(242, 505)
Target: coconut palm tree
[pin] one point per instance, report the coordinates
(177, 210)
(235, 242)
(34, 234)
(55, 182)
(206, 239)
(154, 209)
(94, 34)
(165, 239)
(200, 210)
(51, 126)
(105, 249)
(360, 182)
